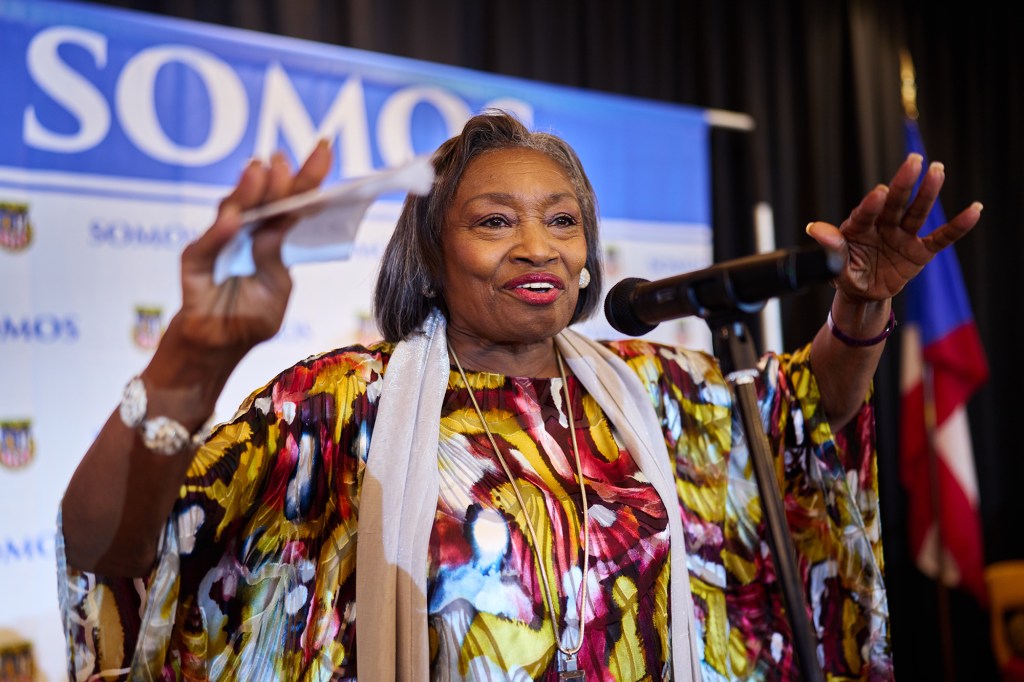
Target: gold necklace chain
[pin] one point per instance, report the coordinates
(570, 654)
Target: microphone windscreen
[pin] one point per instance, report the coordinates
(618, 308)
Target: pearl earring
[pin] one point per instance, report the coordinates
(584, 278)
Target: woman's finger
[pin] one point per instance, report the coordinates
(927, 193)
(268, 237)
(251, 187)
(267, 241)
(315, 168)
(864, 217)
(279, 180)
(956, 228)
(826, 235)
(900, 188)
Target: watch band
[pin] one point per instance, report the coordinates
(162, 435)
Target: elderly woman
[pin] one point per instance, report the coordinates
(484, 494)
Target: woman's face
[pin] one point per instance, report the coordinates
(514, 244)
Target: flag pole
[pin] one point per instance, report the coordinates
(908, 91)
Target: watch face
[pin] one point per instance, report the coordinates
(164, 436)
(133, 403)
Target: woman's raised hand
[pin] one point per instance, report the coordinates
(117, 502)
(235, 315)
(880, 242)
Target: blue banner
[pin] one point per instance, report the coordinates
(125, 94)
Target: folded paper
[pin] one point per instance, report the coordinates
(328, 219)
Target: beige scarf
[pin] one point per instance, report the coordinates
(400, 488)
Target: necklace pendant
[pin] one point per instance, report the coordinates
(568, 670)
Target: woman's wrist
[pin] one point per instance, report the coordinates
(183, 382)
(860, 323)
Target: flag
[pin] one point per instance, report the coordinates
(942, 365)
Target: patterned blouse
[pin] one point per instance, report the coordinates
(256, 574)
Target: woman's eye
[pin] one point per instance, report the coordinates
(564, 219)
(494, 221)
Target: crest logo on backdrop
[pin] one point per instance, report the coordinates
(15, 226)
(17, 446)
(148, 327)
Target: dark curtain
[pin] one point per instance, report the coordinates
(821, 78)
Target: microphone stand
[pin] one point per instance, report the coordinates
(739, 364)
(720, 295)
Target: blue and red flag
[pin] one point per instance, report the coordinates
(942, 365)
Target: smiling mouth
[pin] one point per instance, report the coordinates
(537, 292)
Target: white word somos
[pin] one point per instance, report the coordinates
(281, 115)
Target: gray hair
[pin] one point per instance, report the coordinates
(409, 282)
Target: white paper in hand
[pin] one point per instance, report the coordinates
(328, 219)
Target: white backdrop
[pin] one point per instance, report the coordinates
(121, 131)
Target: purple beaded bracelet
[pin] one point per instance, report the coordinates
(862, 343)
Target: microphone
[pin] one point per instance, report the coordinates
(635, 306)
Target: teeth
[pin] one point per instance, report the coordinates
(536, 285)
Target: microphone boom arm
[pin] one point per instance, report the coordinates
(636, 306)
